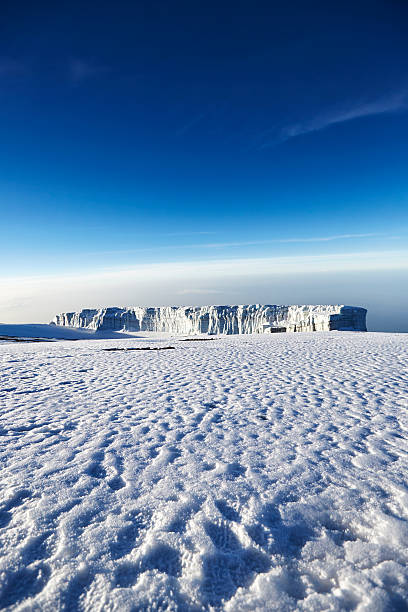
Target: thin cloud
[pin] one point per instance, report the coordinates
(226, 245)
(146, 284)
(198, 292)
(390, 104)
(11, 67)
(185, 234)
(289, 240)
(81, 70)
(198, 118)
(252, 266)
(190, 124)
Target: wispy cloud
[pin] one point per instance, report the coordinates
(161, 283)
(199, 292)
(245, 243)
(218, 268)
(81, 70)
(185, 234)
(191, 123)
(288, 240)
(11, 66)
(199, 117)
(340, 114)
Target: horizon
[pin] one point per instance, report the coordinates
(157, 153)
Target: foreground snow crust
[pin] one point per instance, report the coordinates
(244, 473)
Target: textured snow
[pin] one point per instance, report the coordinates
(243, 319)
(51, 332)
(247, 472)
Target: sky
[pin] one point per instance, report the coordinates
(188, 153)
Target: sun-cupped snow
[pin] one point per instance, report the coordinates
(264, 472)
(243, 319)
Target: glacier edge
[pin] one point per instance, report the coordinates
(240, 319)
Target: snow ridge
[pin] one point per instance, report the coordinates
(242, 319)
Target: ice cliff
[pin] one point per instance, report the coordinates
(244, 319)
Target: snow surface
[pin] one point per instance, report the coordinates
(52, 332)
(243, 473)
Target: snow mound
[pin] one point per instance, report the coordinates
(246, 473)
(26, 331)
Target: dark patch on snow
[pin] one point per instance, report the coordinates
(143, 348)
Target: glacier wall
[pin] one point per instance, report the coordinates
(244, 319)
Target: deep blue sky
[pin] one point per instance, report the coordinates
(157, 132)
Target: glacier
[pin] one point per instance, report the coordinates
(240, 319)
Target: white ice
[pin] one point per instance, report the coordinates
(241, 473)
(238, 319)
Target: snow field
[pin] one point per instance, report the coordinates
(249, 472)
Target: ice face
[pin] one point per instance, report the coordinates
(242, 319)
